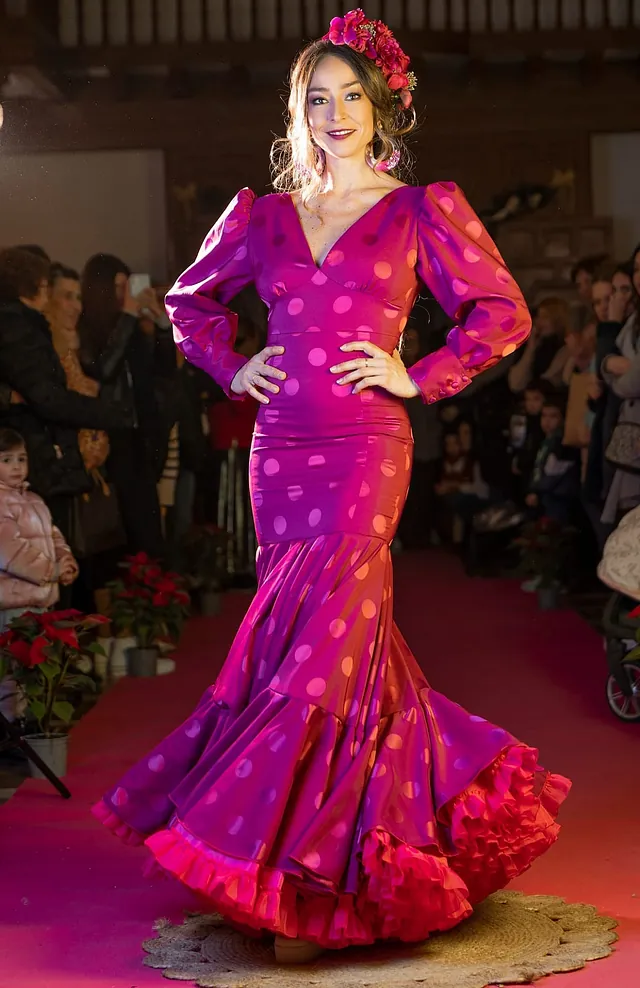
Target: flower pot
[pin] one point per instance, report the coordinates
(548, 598)
(210, 603)
(118, 655)
(52, 749)
(142, 662)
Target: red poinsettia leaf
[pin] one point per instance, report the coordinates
(39, 651)
(20, 650)
(67, 636)
(635, 613)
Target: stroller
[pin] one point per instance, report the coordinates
(619, 569)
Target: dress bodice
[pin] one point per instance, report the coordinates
(366, 285)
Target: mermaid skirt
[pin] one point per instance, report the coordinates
(321, 789)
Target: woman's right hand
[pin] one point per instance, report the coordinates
(617, 308)
(254, 374)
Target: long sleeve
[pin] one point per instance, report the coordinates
(105, 365)
(21, 367)
(462, 267)
(204, 328)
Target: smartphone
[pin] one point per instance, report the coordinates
(138, 283)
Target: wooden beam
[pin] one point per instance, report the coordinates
(532, 43)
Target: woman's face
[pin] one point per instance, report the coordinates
(452, 447)
(584, 285)
(600, 295)
(339, 112)
(621, 286)
(544, 323)
(120, 283)
(65, 303)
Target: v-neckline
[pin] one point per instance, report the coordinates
(335, 244)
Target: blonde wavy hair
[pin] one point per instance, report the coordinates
(297, 164)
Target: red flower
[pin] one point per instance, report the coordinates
(150, 574)
(351, 30)
(67, 636)
(21, 651)
(39, 651)
(49, 616)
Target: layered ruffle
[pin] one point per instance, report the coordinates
(321, 789)
(497, 828)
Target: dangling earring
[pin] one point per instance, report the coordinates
(383, 166)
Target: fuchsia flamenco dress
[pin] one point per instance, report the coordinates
(321, 789)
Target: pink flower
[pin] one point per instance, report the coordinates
(352, 30)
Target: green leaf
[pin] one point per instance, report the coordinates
(49, 670)
(96, 649)
(63, 710)
(79, 679)
(37, 708)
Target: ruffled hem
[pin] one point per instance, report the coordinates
(395, 877)
(495, 829)
(504, 821)
(103, 812)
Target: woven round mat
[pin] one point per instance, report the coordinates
(510, 939)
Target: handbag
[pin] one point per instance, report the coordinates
(96, 522)
(623, 450)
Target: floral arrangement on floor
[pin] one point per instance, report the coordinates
(148, 602)
(45, 657)
(544, 547)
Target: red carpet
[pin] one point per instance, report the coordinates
(74, 907)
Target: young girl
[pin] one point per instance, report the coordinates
(34, 557)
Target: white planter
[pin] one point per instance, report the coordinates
(52, 749)
(118, 657)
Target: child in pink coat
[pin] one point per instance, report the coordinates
(34, 557)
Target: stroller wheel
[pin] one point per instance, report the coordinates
(625, 707)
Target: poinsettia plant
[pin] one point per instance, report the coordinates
(544, 546)
(44, 654)
(205, 550)
(148, 602)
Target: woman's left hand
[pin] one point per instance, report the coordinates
(378, 369)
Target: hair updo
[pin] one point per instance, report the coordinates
(297, 161)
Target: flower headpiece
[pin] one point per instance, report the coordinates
(375, 40)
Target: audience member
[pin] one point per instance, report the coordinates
(555, 482)
(44, 410)
(127, 359)
(34, 556)
(545, 354)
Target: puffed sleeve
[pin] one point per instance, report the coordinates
(204, 329)
(462, 267)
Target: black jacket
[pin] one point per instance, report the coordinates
(51, 416)
(135, 369)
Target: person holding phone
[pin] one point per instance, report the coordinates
(127, 359)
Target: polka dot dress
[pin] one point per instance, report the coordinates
(321, 789)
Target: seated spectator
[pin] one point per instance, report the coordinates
(460, 487)
(526, 436)
(554, 487)
(127, 358)
(47, 413)
(545, 353)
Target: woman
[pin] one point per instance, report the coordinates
(126, 358)
(545, 355)
(314, 793)
(101, 537)
(621, 374)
